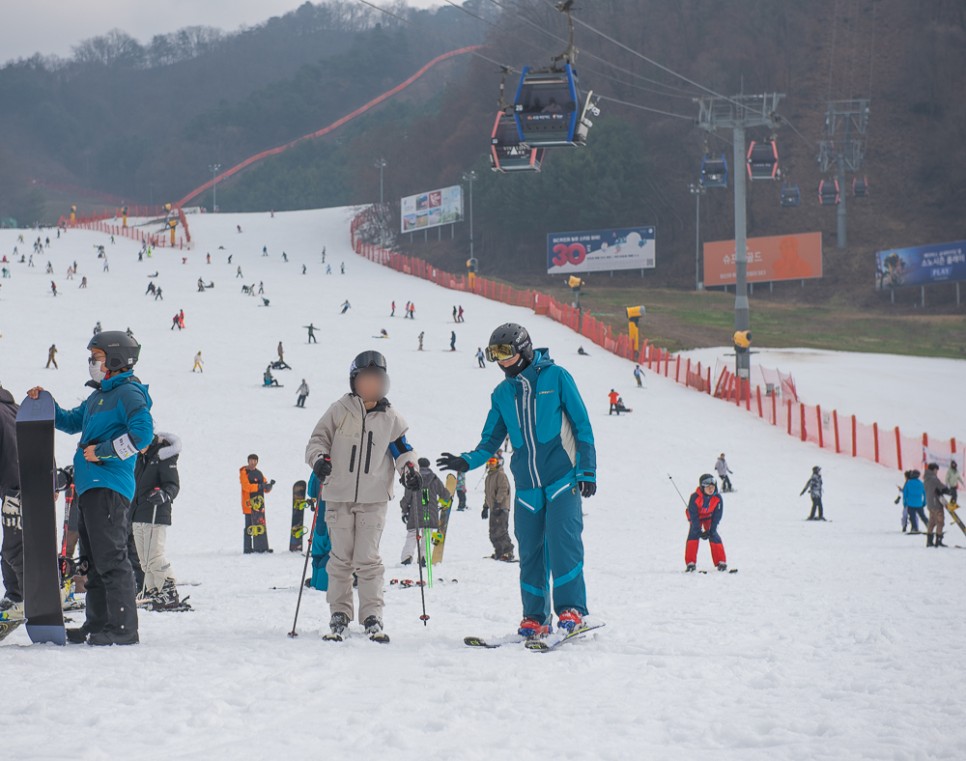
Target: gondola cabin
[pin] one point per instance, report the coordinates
(828, 192)
(791, 196)
(507, 153)
(714, 171)
(763, 160)
(549, 109)
(860, 187)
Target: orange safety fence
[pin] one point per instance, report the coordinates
(105, 222)
(777, 404)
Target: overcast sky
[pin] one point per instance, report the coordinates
(53, 26)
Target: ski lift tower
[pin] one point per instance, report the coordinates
(844, 148)
(738, 114)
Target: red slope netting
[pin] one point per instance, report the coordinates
(153, 232)
(777, 404)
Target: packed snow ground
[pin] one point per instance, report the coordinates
(836, 640)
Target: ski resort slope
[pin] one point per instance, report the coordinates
(834, 641)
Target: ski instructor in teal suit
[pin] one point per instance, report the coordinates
(554, 465)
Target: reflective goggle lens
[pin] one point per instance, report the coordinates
(500, 352)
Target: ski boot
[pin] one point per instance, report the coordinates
(533, 629)
(506, 557)
(569, 620)
(407, 561)
(167, 598)
(146, 598)
(108, 638)
(374, 629)
(337, 626)
(722, 566)
(78, 635)
(691, 568)
(10, 610)
(939, 541)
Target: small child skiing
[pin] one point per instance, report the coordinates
(913, 501)
(354, 450)
(814, 489)
(704, 514)
(496, 507)
(554, 466)
(420, 511)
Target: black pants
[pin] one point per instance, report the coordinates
(725, 483)
(11, 563)
(917, 514)
(301, 401)
(104, 526)
(816, 505)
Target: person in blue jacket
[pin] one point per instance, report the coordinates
(115, 424)
(913, 501)
(554, 465)
(321, 544)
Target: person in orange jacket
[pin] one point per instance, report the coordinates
(253, 491)
(614, 398)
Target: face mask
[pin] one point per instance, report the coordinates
(516, 368)
(97, 374)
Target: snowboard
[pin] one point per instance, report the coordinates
(439, 535)
(298, 517)
(258, 530)
(41, 573)
(8, 627)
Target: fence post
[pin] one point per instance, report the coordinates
(758, 394)
(789, 417)
(774, 407)
(855, 446)
(801, 418)
(687, 372)
(709, 380)
(875, 436)
(818, 419)
(835, 422)
(748, 396)
(677, 369)
(898, 448)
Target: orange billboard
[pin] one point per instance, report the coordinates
(776, 257)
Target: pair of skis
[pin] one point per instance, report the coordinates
(534, 644)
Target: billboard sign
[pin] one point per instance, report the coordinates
(920, 265)
(626, 248)
(772, 258)
(432, 209)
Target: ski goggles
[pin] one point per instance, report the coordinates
(707, 482)
(493, 463)
(500, 352)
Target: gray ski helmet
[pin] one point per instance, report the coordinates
(365, 361)
(516, 336)
(121, 350)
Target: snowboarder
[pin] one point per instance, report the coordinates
(459, 314)
(392, 310)
(421, 335)
(420, 511)
(454, 314)
(253, 491)
(496, 507)
(814, 489)
(704, 514)
(11, 557)
(345, 306)
(723, 471)
(311, 328)
(303, 394)
(158, 484)
(452, 340)
(554, 466)
(639, 376)
(52, 357)
(199, 365)
(480, 357)
(281, 352)
(353, 450)
(913, 501)
(613, 397)
(937, 517)
(114, 423)
(267, 378)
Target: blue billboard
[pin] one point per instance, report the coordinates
(921, 265)
(626, 248)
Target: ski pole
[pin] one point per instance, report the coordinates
(305, 566)
(671, 479)
(422, 589)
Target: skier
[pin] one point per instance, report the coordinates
(639, 376)
(420, 511)
(480, 357)
(345, 306)
(53, 287)
(496, 507)
(454, 314)
(238, 272)
(97, 327)
(913, 501)
(814, 489)
(934, 492)
(52, 357)
(392, 311)
(181, 319)
(342, 268)
(554, 465)
(953, 481)
(311, 328)
(452, 340)
(723, 471)
(353, 451)
(83, 282)
(199, 365)
(158, 484)
(11, 557)
(253, 491)
(175, 322)
(281, 352)
(459, 314)
(704, 514)
(303, 394)
(114, 423)
(421, 335)
(460, 492)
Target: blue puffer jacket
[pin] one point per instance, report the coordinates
(914, 493)
(117, 419)
(545, 417)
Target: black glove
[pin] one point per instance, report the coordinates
(159, 497)
(411, 477)
(452, 462)
(705, 534)
(486, 512)
(587, 488)
(271, 483)
(322, 467)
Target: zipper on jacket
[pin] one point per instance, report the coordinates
(362, 441)
(352, 459)
(369, 452)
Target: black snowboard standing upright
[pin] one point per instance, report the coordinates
(41, 575)
(298, 517)
(258, 528)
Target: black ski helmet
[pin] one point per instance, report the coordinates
(365, 361)
(516, 336)
(816, 469)
(121, 350)
(706, 480)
